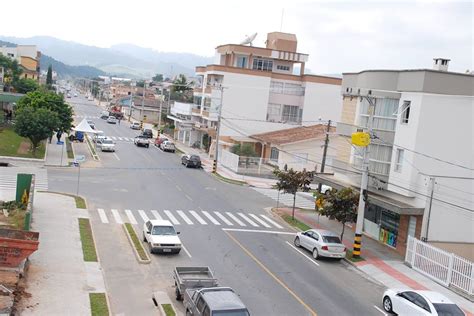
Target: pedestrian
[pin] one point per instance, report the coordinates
(119, 119)
(50, 138)
(58, 136)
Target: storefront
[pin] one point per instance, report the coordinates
(382, 224)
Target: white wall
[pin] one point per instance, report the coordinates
(322, 100)
(312, 149)
(440, 126)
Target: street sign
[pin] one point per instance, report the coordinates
(361, 139)
(79, 159)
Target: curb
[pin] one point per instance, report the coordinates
(158, 304)
(24, 159)
(137, 256)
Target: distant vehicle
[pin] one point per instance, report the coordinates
(90, 98)
(135, 125)
(75, 94)
(104, 115)
(147, 133)
(161, 236)
(78, 136)
(168, 146)
(410, 302)
(97, 135)
(191, 161)
(68, 96)
(106, 144)
(91, 124)
(322, 243)
(159, 140)
(214, 301)
(112, 120)
(141, 141)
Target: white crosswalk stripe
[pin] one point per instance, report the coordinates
(271, 221)
(303, 199)
(143, 215)
(8, 177)
(131, 217)
(113, 137)
(117, 217)
(103, 217)
(222, 217)
(238, 221)
(171, 217)
(156, 214)
(185, 217)
(119, 138)
(248, 219)
(212, 219)
(259, 220)
(197, 217)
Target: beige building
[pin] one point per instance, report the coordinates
(28, 58)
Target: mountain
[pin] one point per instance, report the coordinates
(64, 70)
(127, 59)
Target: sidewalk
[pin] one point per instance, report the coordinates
(381, 263)
(56, 154)
(58, 279)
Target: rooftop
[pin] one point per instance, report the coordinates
(293, 135)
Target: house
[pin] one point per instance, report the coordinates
(257, 90)
(28, 58)
(421, 180)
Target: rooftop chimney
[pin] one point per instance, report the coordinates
(440, 64)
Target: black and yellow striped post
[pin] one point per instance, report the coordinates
(214, 166)
(357, 245)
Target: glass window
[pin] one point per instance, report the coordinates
(399, 160)
(331, 239)
(163, 230)
(276, 87)
(421, 302)
(200, 304)
(405, 115)
(274, 154)
(274, 112)
(448, 310)
(262, 64)
(291, 113)
(241, 62)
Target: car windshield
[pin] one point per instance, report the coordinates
(448, 310)
(107, 141)
(194, 158)
(240, 312)
(331, 239)
(163, 230)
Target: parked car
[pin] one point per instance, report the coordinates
(191, 161)
(213, 301)
(79, 136)
(410, 302)
(148, 133)
(104, 115)
(159, 140)
(322, 243)
(135, 125)
(98, 135)
(68, 95)
(168, 146)
(90, 98)
(106, 144)
(141, 141)
(112, 120)
(91, 124)
(161, 236)
(75, 94)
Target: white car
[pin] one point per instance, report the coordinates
(410, 302)
(98, 135)
(168, 146)
(321, 243)
(106, 144)
(161, 236)
(135, 125)
(112, 120)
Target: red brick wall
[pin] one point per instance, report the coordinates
(403, 232)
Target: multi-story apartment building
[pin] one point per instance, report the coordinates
(260, 89)
(421, 154)
(28, 58)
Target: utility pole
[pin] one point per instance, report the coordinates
(425, 226)
(131, 102)
(216, 156)
(143, 101)
(323, 163)
(364, 182)
(161, 108)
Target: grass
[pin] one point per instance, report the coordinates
(294, 222)
(87, 240)
(10, 143)
(350, 257)
(136, 242)
(179, 152)
(231, 181)
(98, 304)
(70, 153)
(94, 153)
(169, 311)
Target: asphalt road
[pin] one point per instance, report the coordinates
(269, 274)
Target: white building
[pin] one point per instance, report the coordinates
(259, 92)
(424, 136)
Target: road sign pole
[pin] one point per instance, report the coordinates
(78, 178)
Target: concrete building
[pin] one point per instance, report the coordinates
(28, 58)
(260, 89)
(421, 154)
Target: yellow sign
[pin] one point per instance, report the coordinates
(361, 139)
(24, 198)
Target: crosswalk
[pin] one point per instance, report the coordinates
(121, 138)
(8, 177)
(303, 199)
(188, 217)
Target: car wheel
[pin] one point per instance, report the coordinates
(178, 295)
(387, 304)
(147, 145)
(144, 238)
(297, 242)
(315, 254)
(187, 165)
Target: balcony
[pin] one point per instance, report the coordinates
(180, 108)
(210, 113)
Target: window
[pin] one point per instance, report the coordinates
(281, 67)
(276, 87)
(274, 154)
(291, 113)
(385, 116)
(262, 64)
(405, 115)
(241, 62)
(399, 160)
(200, 304)
(274, 112)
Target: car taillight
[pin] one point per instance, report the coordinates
(324, 248)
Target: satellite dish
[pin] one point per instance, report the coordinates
(249, 39)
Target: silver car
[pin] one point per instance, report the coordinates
(322, 243)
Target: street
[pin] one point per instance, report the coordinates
(223, 226)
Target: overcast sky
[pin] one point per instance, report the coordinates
(339, 36)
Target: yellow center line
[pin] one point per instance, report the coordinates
(271, 274)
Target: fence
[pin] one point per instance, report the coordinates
(441, 266)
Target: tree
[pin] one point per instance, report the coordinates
(158, 78)
(12, 70)
(36, 124)
(51, 101)
(292, 181)
(245, 150)
(182, 89)
(141, 83)
(25, 85)
(340, 205)
(49, 76)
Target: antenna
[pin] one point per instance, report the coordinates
(281, 21)
(249, 39)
